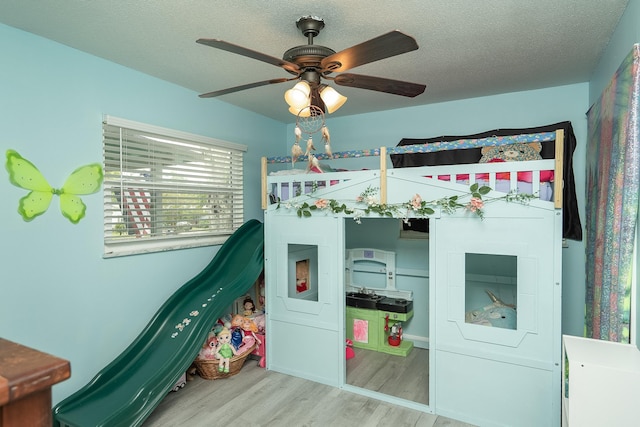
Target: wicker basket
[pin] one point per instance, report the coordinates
(208, 369)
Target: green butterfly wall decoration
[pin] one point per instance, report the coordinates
(84, 180)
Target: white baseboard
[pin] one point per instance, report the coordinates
(418, 341)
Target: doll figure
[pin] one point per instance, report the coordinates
(243, 335)
(302, 276)
(225, 350)
(237, 338)
(250, 328)
(236, 321)
(237, 334)
(249, 306)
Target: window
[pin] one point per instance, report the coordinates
(491, 290)
(303, 272)
(165, 189)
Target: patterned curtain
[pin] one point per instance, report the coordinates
(613, 159)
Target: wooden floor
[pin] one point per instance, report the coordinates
(257, 397)
(403, 377)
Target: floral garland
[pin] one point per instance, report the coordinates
(367, 202)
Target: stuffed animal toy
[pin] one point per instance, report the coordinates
(516, 153)
(209, 348)
(498, 314)
(512, 153)
(260, 321)
(225, 350)
(225, 321)
(261, 290)
(191, 372)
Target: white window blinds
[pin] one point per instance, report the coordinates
(165, 189)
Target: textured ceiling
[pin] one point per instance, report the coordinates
(466, 48)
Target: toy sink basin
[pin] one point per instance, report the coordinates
(395, 305)
(362, 300)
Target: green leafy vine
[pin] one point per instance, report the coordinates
(367, 202)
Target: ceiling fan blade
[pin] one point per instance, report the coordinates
(243, 87)
(229, 47)
(384, 46)
(380, 84)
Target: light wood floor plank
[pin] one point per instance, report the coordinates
(403, 377)
(257, 397)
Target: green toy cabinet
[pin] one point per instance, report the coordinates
(366, 329)
(363, 327)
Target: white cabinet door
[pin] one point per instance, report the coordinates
(497, 365)
(304, 272)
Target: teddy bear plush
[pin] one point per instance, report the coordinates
(517, 152)
(512, 153)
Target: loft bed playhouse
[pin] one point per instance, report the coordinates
(494, 345)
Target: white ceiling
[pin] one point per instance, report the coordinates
(466, 48)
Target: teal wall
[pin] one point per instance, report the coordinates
(59, 295)
(626, 35)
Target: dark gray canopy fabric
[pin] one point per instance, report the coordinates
(571, 226)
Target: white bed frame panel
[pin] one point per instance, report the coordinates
(478, 374)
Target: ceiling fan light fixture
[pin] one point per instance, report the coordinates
(302, 112)
(332, 98)
(312, 63)
(298, 96)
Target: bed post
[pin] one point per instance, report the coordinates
(558, 179)
(263, 187)
(383, 175)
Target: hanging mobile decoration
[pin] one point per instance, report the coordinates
(309, 121)
(327, 140)
(296, 151)
(310, 146)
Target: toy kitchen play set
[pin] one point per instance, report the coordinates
(375, 315)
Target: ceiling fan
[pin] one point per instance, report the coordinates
(310, 64)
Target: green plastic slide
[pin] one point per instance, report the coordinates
(126, 391)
